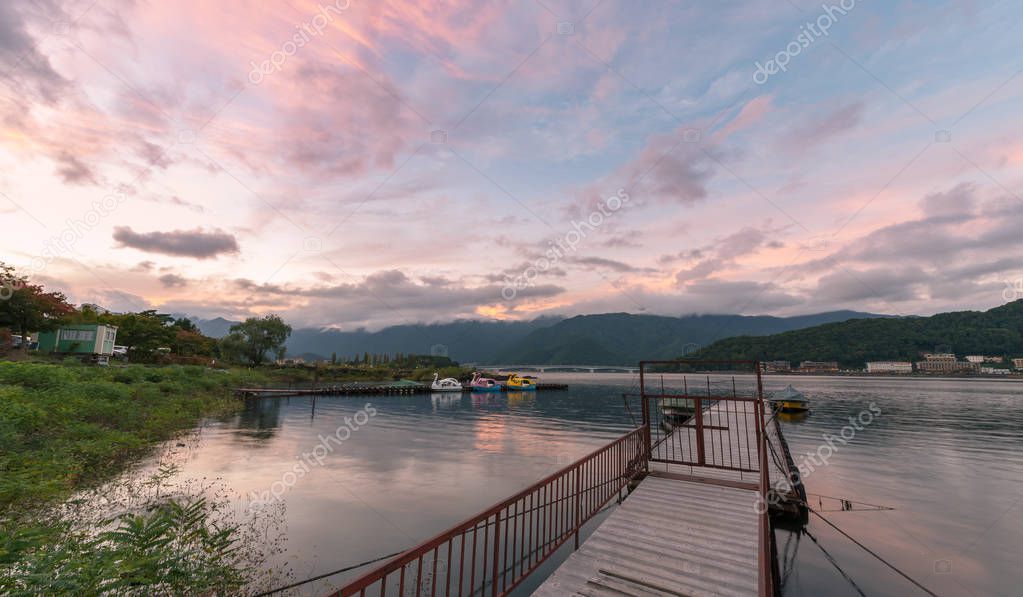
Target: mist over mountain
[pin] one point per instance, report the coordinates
(606, 339)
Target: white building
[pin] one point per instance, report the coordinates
(889, 367)
(983, 359)
(994, 371)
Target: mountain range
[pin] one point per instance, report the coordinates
(605, 339)
(995, 332)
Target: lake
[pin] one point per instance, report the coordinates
(945, 455)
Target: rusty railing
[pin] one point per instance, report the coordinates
(494, 551)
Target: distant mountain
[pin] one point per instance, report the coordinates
(996, 332)
(622, 338)
(608, 339)
(214, 328)
(463, 341)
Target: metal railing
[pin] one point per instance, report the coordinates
(494, 551)
(694, 421)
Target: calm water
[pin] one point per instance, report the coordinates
(947, 456)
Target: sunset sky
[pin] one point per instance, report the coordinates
(358, 163)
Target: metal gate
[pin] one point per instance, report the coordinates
(703, 413)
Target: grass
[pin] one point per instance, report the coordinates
(64, 427)
(67, 428)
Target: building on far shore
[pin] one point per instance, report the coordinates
(973, 358)
(818, 367)
(995, 371)
(889, 367)
(945, 363)
(776, 366)
(1017, 363)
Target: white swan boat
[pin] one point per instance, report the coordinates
(448, 384)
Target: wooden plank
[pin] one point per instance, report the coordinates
(670, 537)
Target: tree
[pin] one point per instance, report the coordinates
(142, 333)
(188, 343)
(186, 325)
(27, 307)
(333, 358)
(258, 335)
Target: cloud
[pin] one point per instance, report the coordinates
(721, 254)
(73, 170)
(196, 243)
(824, 126)
(172, 281)
(24, 65)
(388, 297)
(957, 201)
(890, 285)
(611, 264)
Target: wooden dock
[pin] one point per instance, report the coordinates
(364, 389)
(691, 525)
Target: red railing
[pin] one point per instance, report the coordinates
(494, 551)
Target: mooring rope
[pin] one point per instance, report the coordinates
(831, 559)
(872, 552)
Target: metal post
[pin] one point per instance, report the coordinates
(698, 421)
(647, 447)
(578, 512)
(497, 549)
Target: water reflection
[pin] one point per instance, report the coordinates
(945, 454)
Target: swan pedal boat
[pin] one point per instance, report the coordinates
(483, 384)
(448, 384)
(520, 383)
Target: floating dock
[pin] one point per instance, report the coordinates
(691, 526)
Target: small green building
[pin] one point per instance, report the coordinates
(80, 339)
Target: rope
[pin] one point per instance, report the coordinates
(834, 563)
(323, 576)
(873, 553)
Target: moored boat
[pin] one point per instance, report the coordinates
(483, 384)
(789, 400)
(448, 384)
(519, 383)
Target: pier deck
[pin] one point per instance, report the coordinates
(691, 526)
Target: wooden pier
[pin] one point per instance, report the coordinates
(689, 528)
(371, 390)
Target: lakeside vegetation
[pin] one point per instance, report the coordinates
(67, 429)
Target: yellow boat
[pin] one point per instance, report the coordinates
(790, 400)
(519, 383)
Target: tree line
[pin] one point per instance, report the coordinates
(27, 308)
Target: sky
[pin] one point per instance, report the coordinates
(361, 164)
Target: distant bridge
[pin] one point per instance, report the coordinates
(563, 368)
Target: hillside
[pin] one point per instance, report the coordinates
(622, 338)
(997, 332)
(464, 341)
